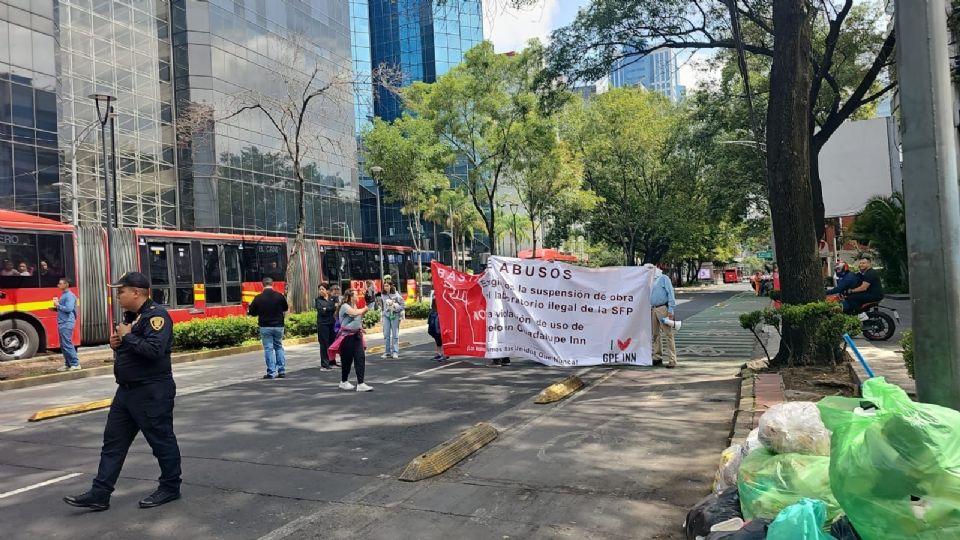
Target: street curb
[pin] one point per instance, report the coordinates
(66, 410)
(560, 390)
(445, 455)
(380, 348)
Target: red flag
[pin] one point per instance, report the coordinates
(462, 309)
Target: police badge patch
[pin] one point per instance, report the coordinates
(157, 323)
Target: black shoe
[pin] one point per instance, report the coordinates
(88, 500)
(265, 377)
(281, 375)
(495, 362)
(657, 362)
(159, 497)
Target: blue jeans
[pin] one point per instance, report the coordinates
(272, 339)
(65, 331)
(391, 336)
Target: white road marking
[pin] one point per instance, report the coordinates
(682, 300)
(41, 484)
(421, 373)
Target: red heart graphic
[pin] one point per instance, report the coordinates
(624, 344)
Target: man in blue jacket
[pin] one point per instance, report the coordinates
(846, 280)
(66, 307)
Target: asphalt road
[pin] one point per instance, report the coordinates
(299, 458)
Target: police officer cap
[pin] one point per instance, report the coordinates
(132, 279)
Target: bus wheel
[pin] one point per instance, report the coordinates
(18, 339)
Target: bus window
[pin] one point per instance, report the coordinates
(183, 274)
(393, 268)
(18, 252)
(334, 266)
(52, 264)
(211, 274)
(358, 265)
(373, 265)
(251, 267)
(273, 262)
(231, 266)
(159, 273)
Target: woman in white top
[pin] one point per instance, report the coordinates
(392, 306)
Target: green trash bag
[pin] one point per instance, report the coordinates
(895, 463)
(801, 521)
(770, 482)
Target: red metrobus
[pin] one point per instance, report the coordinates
(193, 274)
(34, 254)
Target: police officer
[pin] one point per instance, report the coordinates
(144, 398)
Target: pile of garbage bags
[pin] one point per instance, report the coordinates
(871, 468)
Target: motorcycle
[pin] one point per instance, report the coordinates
(876, 324)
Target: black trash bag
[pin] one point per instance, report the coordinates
(712, 510)
(842, 529)
(755, 530)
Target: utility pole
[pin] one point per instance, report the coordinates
(931, 195)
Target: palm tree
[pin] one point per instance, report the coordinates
(882, 226)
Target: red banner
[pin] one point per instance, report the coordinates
(462, 309)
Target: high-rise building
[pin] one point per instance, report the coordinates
(422, 41)
(656, 71)
(156, 57)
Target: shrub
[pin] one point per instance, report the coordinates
(823, 323)
(371, 318)
(418, 310)
(907, 343)
(214, 333)
(301, 324)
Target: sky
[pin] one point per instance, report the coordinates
(509, 29)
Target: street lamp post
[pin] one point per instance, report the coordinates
(516, 248)
(377, 171)
(104, 108)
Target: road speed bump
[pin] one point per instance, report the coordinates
(440, 458)
(66, 410)
(560, 390)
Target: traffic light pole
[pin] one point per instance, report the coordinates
(931, 196)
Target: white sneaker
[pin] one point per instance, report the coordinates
(61, 369)
(385, 356)
(395, 356)
(326, 369)
(74, 368)
(364, 387)
(346, 386)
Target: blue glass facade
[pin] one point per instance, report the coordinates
(423, 41)
(657, 71)
(29, 162)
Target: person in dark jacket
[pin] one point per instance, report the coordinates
(326, 319)
(269, 308)
(846, 280)
(433, 328)
(144, 398)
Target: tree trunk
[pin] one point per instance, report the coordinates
(816, 191)
(788, 169)
(294, 260)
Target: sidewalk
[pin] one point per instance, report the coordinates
(624, 458)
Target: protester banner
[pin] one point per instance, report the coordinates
(565, 315)
(461, 307)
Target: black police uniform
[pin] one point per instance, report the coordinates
(144, 400)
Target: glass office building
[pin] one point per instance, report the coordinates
(29, 163)
(422, 40)
(237, 176)
(657, 71)
(156, 57)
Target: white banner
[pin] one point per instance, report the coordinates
(564, 315)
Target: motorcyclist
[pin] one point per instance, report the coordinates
(846, 280)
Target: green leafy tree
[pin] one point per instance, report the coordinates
(480, 109)
(412, 162)
(882, 226)
(849, 56)
(622, 137)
